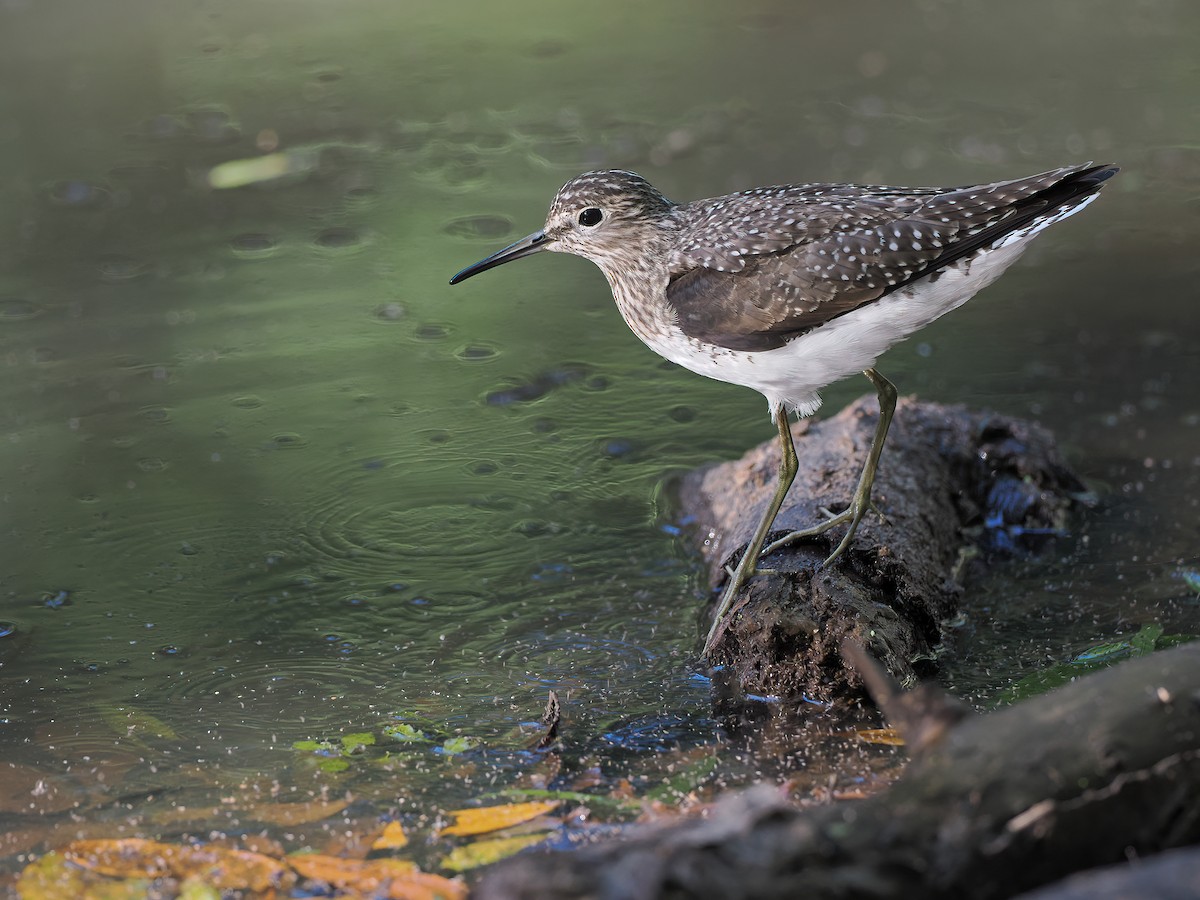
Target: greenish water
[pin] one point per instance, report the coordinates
(265, 477)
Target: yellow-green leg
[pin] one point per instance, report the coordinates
(853, 514)
(861, 501)
(749, 561)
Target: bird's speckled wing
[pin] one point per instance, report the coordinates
(755, 269)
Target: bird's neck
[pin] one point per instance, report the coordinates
(639, 270)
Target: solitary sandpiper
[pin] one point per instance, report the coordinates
(788, 289)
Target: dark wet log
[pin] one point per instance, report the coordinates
(950, 480)
(1103, 769)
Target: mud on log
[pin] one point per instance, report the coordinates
(1105, 769)
(950, 479)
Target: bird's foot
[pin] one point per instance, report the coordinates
(853, 514)
(758, 570)
(832, 520)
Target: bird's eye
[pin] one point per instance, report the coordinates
(590, 216)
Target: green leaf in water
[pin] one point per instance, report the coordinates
(456, 745)
(404, 733)
(356, 743)
(334, 764)
(1149, 638)
(484, 853)
(137, 724)
(1145, 640)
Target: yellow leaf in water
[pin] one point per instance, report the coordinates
(241, 172)
(196, 889)
(217, 866)
(493, 818)
(393, 838)
(53, 878)
(392, 878)
(484, 853)
(887, 736)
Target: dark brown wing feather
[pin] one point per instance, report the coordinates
(762, 267)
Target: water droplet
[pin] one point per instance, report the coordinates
(253, 244)
(533, 529)
(476, 353)
(151, 464)
(159, 415)
(338, 238)
(617, 447)
(288, 440)
(432, 331)
(116, 267)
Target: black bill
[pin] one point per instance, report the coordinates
(526, 246)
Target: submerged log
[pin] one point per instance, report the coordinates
(950, 480)
(1098, 771)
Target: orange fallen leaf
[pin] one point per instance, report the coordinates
(493, 818)
(484, 853)
(216, 866)
(400, 879)
(887, 736)
(393, 838)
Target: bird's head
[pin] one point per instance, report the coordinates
(614, 218)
